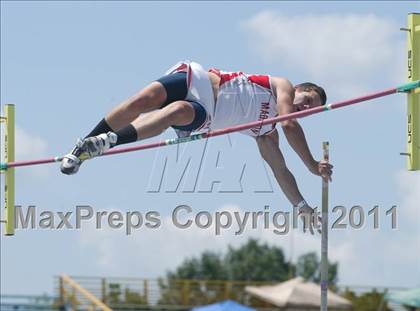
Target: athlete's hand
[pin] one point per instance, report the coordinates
(323, 169)
(310, 219)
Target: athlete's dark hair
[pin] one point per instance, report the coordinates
(309, 86)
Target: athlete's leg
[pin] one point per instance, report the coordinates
(124, 124)
(167, 95)
(150, 98)
(179, 113)
(158, 94)
(154, 123)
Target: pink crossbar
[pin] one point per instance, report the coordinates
(294, 115)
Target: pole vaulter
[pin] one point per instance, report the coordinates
(412, 89)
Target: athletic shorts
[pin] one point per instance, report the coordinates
(188, 81)
(176, 88)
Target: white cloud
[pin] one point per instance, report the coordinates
(345, 52)
(409, 210)
(409, 185)
(28, 146)
(384, 257)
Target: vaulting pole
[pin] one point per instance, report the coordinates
(324, 236)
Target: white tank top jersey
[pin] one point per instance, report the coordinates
(242, 98)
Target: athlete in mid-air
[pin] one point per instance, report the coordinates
(191, 99)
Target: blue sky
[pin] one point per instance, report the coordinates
(66, 64)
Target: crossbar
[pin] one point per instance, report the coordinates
(294, 115)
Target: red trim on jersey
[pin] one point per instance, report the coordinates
(225, 77)
(261, 80)
(182, 67)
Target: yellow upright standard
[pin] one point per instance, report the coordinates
(413, 97)
(9, 180)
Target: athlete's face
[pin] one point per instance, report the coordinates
(306, 99)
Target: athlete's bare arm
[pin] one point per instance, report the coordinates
(269, 148)
(284, 92)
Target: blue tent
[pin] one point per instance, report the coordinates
(228, 305)
(409, 297)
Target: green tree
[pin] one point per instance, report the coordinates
(134, 298)
(371, 301)
(176, 290)
(255, 261)
(250, 262)
(207, 267)
(308, 267)
(114, 295)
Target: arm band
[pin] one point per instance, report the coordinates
(301, 204)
